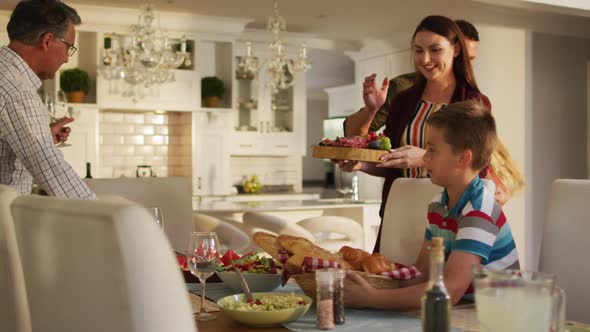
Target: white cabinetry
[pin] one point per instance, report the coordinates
(343, 100)
(210, 156)
(83, 139)
(175, 96)
(266, 123)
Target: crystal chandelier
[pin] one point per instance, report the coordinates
(145, 57)
(280, 69)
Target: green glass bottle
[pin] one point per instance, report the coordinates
(436, 302)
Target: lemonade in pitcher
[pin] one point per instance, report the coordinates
(515, 301)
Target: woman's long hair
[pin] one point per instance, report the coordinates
(444, 26)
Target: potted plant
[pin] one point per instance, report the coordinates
(75, 83)
(212, 90)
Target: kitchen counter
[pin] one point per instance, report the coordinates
(216, 206)
(366, 213)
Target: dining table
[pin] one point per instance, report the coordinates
(463, 316)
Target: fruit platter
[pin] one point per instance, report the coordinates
(362, 148)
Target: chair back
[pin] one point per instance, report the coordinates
(273, 224)
(565, 245)
(405, 219)
(173, 195)
(14, 308)
(98, 266)
(340, 231)
(231, 236)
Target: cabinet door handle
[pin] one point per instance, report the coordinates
(268, 126)
(245, 145)
(261, 128)
(282, 146)
(199, 184)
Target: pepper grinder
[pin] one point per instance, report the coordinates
(338, 295)
(324, 300)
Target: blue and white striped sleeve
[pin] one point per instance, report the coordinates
(476, 234)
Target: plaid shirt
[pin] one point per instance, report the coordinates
(26, 144)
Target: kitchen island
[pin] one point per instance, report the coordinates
(366, 213)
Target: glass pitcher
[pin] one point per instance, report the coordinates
(514, 301)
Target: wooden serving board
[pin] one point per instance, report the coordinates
(342, 153)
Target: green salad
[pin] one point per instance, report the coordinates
(251, 263)
(267, 303)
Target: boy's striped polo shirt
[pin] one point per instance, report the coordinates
(476, 224)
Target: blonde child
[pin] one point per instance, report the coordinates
(460, 141)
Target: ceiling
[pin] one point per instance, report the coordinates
(345, 20)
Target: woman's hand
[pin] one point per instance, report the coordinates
(374, 96)
(350, 165)
(407, 156)
(358, 291)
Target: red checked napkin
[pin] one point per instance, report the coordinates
(310, 264)
(401, 272)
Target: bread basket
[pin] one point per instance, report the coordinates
(307, 282)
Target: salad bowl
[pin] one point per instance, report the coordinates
(257, 282)
(261, 274)
(238, 309)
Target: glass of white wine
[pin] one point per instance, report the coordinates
(58, 109)
(202, 258)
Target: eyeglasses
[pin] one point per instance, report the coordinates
(71, 48)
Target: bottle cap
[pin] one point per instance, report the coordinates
(437, 242)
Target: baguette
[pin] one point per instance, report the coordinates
(268, 243)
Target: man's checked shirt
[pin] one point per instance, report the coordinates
(26, 144)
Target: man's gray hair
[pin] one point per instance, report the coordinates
(33, 18)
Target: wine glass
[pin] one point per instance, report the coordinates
(157, 215)
(202, 258)
(57, 108)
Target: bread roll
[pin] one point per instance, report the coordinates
(376, 263)
(268, 243)
(301, 248)
(353, 256)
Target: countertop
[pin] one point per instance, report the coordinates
(277, 205)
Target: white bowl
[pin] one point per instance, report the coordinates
(257, 282)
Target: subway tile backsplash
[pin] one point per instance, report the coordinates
(132, 138)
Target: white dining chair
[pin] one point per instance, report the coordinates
(173, 195)
(14, 307)
(334, 232)
(340, 231)
(256, 221)
(98, 266)
(405, 218)
(230, 235)
(565, 245)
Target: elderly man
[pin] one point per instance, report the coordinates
(42, 37)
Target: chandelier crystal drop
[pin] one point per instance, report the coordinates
(145, 57)
(279, 68)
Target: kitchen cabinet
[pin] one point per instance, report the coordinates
(83, 139)
(267, 123)
(210, 157)
(343, 100)
(175, 96)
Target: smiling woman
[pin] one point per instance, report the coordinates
(445, 75)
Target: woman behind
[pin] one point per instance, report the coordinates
(445, 76)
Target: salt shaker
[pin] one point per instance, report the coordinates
(324, 299)
(338, 295)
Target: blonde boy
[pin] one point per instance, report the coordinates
(460, 141)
